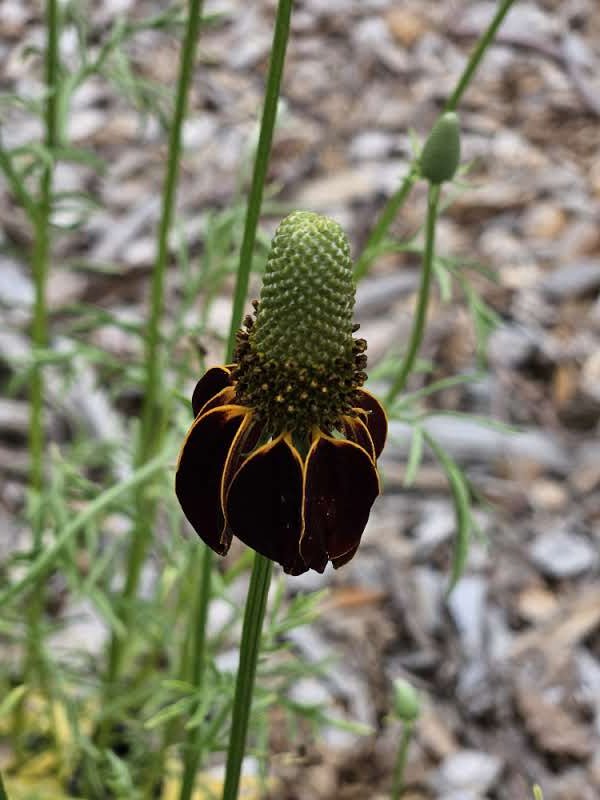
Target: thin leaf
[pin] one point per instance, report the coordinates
(462, 510)
(415, 456)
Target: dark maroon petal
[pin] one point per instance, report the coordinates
(264, 504)
(200, 470)
(341, 484)
(226, 397)
(356, 431)
(209, 385)
(339, 562)
(246, 439)
(376, 419)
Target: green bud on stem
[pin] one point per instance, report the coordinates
(406, 701)
(441, 154)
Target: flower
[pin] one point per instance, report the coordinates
(282, 452)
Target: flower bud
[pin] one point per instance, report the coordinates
(441, 154)
(406, 701)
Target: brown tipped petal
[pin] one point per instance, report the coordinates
(341, 485)
(208, 386)
(376, 419)
(226, 397)
(339, 562)
(356, 431)
(264, 504)
(200, 471)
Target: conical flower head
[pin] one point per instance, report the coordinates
(307, 299)
(298, 364)
(283, 450)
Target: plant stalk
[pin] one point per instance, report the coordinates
(261, 162)
(148, 440)
(196, 673)
(3, 795)
(418, 329)
(476, 56)
(386, 218)
(398, 779)
(256, 604)
(259, 175)
(40, 258)
(398, 199)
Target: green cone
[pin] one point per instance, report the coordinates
(307, 299)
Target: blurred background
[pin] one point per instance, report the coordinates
(509, 666)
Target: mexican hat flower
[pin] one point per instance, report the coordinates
(283, 448)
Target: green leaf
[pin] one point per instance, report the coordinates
(415, 455)
(444, 280)
(462, 510)
(12, 699)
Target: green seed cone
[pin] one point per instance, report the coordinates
(297, 364)
(307, 299)
(441, 154)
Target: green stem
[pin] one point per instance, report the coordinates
(149, 441)
(40, 259)
(278, 50)
(398, 779)
(256, 603)
(259, 174)
(193, 748)
(39, 336)
(3, 795)
(418, 329)
(398, 199)
(477, 54)
(388, 215)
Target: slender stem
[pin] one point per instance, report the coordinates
(398, 199)
(418, 329)
(259, 174)
(477, 54)
(398, 779)
(256, 604)
(153, 360)
(149, 441)
(194, 738)
(3, 795)
(278, 50)
(40, 259)
(388, 215)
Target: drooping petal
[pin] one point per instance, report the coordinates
(356, 431)
(215, 379)
(246, 439)
(340, 486)
(263, 505)
(339, 562)
(226, 397)
(376, 419)
(200, 470)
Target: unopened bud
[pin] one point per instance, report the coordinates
(406, 701)
(441, 154)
